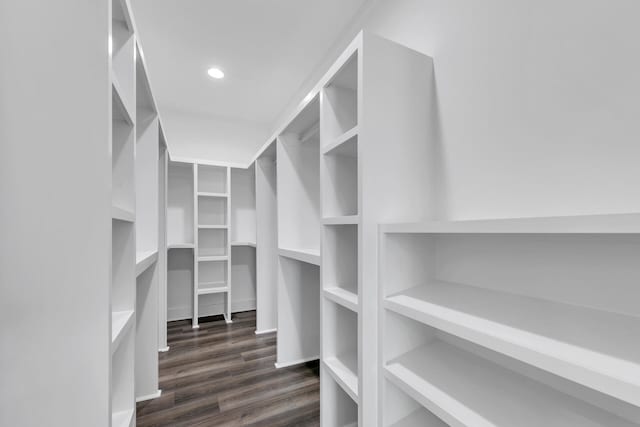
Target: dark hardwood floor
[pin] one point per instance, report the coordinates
(224, 375)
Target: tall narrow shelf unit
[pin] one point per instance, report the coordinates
(212, 270)
(376, 128)
(148, 229)
(298, 210)
(266, 241)
(544, 307)
(180, 239)
(123, 258)
(242, 232)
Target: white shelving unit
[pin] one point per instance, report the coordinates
(266, 241)
(243, 238)
(298, 211)
(123, 243)
(376, 127)
(180, 239)
(212, 270)
(542, 306)
(148, 144)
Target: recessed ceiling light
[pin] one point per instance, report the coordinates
(215, 73)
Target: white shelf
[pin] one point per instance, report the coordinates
(420, 418)
(206, 194)
(582, 224)
(144, 260)
(121, 214)
(252, 244)
(341, 220)
(338, 145)
(465, 390)
(587, 346)
(207, 288)
(121, 109)
(180, 246)
(343, 297)
(343, 374)
(211, 258)
(308, 256)
(123, 419)
(121, 322)
(213, 227)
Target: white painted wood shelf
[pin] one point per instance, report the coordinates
(218, 195)
(121, 323)
(250, 244)
(420, 418)
(342, 296)
(590, 347)
(123, 419)
(144, 260)
(121, 107)
(465, 390)
(341, 220)
(624, 223)
(180, 246)
(207, 288)
(122, 214)
(213, 258)
(343, 369)
(304, 255)
(339, 143)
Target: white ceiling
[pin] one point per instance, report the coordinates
(267, 48)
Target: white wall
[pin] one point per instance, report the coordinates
(55, 204)
(202, 137)
(539, 101)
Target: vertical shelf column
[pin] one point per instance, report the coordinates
(212, 271)
(123, 256)
(341, 192)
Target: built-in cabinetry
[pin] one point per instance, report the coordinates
(298, 212)
(210, 238)
(137, 232)
(377, 135)
(356, 152)
(123, 243)
(511, 322)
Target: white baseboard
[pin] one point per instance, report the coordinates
(295, 362)
(149, 396)
(266, 331)
(181, 313)
(163, 349)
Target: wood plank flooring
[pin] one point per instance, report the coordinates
(224, 375)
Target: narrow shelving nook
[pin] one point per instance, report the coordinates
(299, 183)
(124, 217)
(340, 186)
(180, 206)
(147, 231)
(337, 407)
(340, 264)
(298, 312)
(212, 242)
(212, 180)
(180, 239)
(298, 210)
(340, 346)
(400, 410)
(267, 235)
(212, 270)
(340, 103)
(212, 211)
(545, 306)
